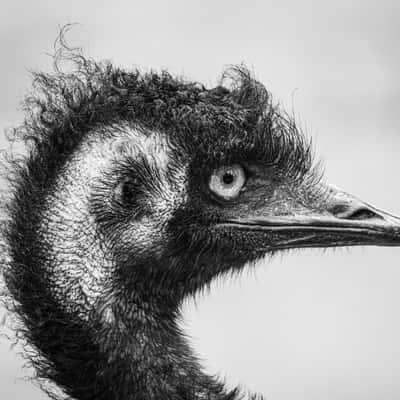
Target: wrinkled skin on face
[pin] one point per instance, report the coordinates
(114, 220)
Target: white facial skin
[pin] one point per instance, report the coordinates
(78, 254)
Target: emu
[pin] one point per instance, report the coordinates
(137, 190)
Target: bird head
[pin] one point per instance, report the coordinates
(169, 184)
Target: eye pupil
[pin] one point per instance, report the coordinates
(228, 178)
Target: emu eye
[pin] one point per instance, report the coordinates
(126, 190)
(227, 181)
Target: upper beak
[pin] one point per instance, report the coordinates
(343, 221)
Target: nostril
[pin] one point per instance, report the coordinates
(363, 214)
(356, 214)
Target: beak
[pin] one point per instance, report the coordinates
(343, 221)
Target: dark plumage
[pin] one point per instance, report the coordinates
(123, 207)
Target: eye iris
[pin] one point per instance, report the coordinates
(227, 181)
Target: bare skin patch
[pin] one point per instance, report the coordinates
(69, 229)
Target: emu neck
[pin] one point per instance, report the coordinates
(145, 356)
(137, 353)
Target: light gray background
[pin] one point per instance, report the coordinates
(312, 324)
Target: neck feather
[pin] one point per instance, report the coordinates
(138, 353)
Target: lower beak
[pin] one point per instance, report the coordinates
(345, 221)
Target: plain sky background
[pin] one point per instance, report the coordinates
(312, 324)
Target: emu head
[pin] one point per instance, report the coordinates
(137, 191)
